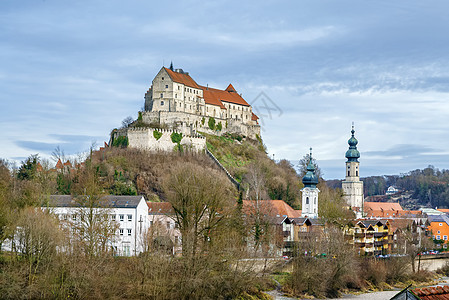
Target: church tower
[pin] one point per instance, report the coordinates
(352, 186)
(310, 191)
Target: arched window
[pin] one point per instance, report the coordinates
(307, 200)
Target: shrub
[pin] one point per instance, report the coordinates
(219, 126)
(176, 137)
(120, 142)
(157, 134)
(211, 123)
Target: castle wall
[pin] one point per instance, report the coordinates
(143, 138)
(190, 123)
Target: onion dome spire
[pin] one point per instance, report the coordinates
(352, 154)
(310, 179)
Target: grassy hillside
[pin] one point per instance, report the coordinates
(248, 161)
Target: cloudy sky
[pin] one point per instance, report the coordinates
(70, 71)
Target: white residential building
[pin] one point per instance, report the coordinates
(128, 215)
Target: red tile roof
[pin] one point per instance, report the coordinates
(224, 96)
(59, 165)
(433, 293)
(230, 88)
(211, 98)
(182, 78)
(445, 210)
(160, 208)
(254, 117)
(271, 208)
(382, 206)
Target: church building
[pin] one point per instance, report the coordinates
(310, 191)
(352, 186)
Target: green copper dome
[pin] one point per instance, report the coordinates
(310, 179)
(352, 154)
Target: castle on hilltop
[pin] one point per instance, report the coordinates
(177, 102)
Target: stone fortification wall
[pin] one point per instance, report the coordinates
(188, 123)
(143, 138)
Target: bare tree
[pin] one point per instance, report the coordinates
(127, 121)
(200, 202)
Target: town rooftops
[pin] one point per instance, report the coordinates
(382, 206)
(438, 219)
(272, 208)
(160, 208)
(107, 201)
(433, 293)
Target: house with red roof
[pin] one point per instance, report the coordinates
(176, 100)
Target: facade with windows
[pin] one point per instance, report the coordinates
(177, 101)
(123, 218)
(439, 228)
(163, 230)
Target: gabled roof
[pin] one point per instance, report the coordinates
(254, 117)
(160, 208)
(224, 96)
(438, 219)
(211, 98)
(382, 206)
(272, 208)
(230, 88)
(183, 78)
(59, 165)
(107, 201)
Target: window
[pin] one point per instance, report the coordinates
(445, 237)
(176, 225)
(179, 88)
(356, 173)
(151, 223)
(166, 86)
(162, 103)
(176, 240)
(162, 78)
(130, 218)
(113, 217)
(65, 217)
(314, 200)
(74, 217)
(438, 237)
(441, 224)
(122, 218)
(307, 200)
(121, 231)
(176, 95)
(162, 95)
(348, 173)
(438, 232)
(129, 232)
(168, 225)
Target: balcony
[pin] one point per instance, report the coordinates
(380, 234)
(378, 244)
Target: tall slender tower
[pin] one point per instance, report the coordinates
(352, 186)
(310, 191)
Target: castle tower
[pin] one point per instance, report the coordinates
(310, 191)
(352, 186)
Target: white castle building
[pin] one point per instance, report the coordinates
(176, 101)
(352, 186)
